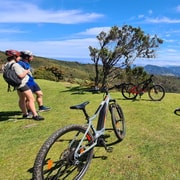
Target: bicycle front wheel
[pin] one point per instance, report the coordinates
(55, 160)
(156, 93)
(129, 91)
(177, 111)
(118, 121)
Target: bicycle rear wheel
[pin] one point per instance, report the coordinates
(156, 93)
(118, 121)
(177, 111)
(55, 159)
(129, 91)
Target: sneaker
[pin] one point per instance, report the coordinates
(26, 116)
(30, 114)
(44, 108)
(38, 118)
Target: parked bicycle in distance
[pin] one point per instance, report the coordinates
(156, 92)
(67, 153)
(177, 111)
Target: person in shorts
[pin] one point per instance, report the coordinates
(27, 57)
(24, 92)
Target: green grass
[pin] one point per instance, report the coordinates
(149, 151)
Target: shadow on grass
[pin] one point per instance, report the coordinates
(6, 115)
(79, 90)
(134, 100)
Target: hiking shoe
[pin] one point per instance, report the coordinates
(44, 108)
(38, 118)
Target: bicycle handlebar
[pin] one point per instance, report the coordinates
(105, 89)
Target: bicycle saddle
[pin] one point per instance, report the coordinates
(80, 106)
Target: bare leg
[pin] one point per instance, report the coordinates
(30, 101)
(39, 98)
(22, 102)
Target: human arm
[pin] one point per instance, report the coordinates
(20, 71)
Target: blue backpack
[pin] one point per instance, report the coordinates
(11, 77)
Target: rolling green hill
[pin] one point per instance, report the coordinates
(70, 69)
(166, 71)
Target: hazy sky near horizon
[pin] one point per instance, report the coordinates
(65, 29)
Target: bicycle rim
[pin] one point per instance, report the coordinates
(55, 159)
(118, 121)
(156, 93)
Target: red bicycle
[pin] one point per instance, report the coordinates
(155, 91)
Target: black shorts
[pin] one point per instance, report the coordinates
(24, 88)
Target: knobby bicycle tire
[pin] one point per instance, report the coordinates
(177, 111)
(127, 91)
(55, 159)
(118, 121)
(156, 92)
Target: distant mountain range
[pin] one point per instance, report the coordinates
(165, 71)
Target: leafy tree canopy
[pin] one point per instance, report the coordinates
(122, 46)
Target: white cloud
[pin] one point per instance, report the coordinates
(67, 48)
(150, 11)
(178, 8)
(141, 16)
(10, 31)
(95, 31)
(24, 12)
(78, 49)
(163, 20)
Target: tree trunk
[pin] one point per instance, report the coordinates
(96, 81)
(105, 75)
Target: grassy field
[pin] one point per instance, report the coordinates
(150, 150)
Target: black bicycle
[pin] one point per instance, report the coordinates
(67, 153)
(156, 92)
(177, 111)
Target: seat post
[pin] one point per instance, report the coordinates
(85, 113)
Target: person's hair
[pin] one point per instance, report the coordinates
(25, 56)
(11, 58)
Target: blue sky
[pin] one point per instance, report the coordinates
(65, 29)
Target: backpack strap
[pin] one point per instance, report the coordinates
(11, 65)
(9, 86)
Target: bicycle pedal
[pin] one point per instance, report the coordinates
(109, 149)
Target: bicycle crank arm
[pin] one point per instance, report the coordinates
(101, 142)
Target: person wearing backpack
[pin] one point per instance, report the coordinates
(27, 57)
(24, 92)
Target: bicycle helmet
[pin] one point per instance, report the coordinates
(11, 53)
(26, 53)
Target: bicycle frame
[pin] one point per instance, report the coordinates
(145, 84)
(99, 131)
